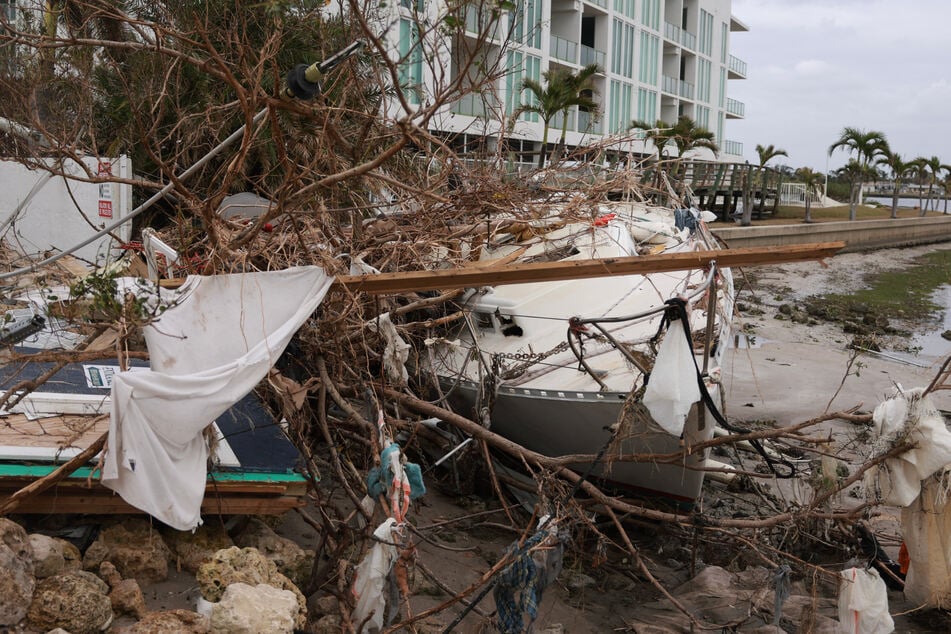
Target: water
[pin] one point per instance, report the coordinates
(930, 341)
(909, 203)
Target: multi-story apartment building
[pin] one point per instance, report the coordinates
(658, 59)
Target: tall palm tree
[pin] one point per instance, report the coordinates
(900, 170)
(562, 90)
(766, 154)
(866, 146)
(855, 174)
(811, 179)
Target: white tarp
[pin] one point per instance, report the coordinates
(909, 417)
(926, 529)
(207, 352)
(863, 603)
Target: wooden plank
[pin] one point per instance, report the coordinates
(582, 269)
(58, 501)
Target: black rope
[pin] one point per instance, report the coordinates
(677, 310)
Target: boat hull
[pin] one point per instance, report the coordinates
(557, 423)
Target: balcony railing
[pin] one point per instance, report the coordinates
(559, 120)
(592, 56)
(686, 89)
(670, 85)
(689, 41)
(737, 108)
(732, 147)
(565, 50)
(672, 32)
(588, 123)
(472, 105)
(601, 3)
(737, 66)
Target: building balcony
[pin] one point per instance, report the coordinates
(558, 121)
(733, 148)
(737, 68)
(672, 32)
(685, 89)
(670, 85)
(565, 50)
(689, 41)
(588, 123)
(472, 105)
(735, 109)
(598, 3)
(592, 56)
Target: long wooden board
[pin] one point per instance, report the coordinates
(580, 269)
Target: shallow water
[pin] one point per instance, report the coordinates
(932, 345)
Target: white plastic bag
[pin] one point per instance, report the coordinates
(863, 603)
(370, 579)
(672, 388)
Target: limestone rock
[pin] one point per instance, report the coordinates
(245, 609)
(191, 550)
(292, 561)
(48, 556)
(178, 621)
(248, 566)
(17, 581)
(126, 595)
(135, 547)
(74, 601)
(330, 624)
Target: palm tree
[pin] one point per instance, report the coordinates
(931, 168)
(855, 174)
(562, 90)
(811, 179)
(900, 170)
(769, 152)
(766, 154)
(866, 146)
(686, 135)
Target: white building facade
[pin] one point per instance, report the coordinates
(658, 60)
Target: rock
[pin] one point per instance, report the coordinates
(191, 550)
(946, 335)
(178, 621)
(17, 581)
(48, 556)
(75, 601)
(323, 605)
(248, 566)
(245, 609)
(126, 595)
(330, 624)
(292, 561)
(578, 581)
(136, 549)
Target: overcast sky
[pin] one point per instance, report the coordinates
(817, 66)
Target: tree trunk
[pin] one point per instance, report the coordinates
(853, 199)
(895, 202)
(747, 219)
(808, 208)
(544, 149)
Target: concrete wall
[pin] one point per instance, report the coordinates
(859, 235)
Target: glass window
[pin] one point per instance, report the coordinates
(649, 58)
(646, 105)
(704, 68)
(724, 42)
(411, 61)
(650, 14)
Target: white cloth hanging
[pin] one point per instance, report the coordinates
(672, 389)
(208, 350)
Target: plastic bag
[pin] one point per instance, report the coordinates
(672, 388)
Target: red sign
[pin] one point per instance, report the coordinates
(105, 209)
(105, 168)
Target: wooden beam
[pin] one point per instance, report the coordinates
(581, 269)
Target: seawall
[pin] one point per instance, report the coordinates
(859, 235)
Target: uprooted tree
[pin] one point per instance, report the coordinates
(354, 171)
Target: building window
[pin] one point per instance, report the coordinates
(620, 117)
(703, 117)
(724, 42)
(625, 7)
(704, 68)
(622, 48)
(720, 117)
(646, 105)
(706, 33)
(722, 97)
(649, 59)
(521, 67)
(411, 61)
(650, 14)
(527, 23)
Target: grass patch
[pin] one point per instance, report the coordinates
(900, 294)
(792, 214)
